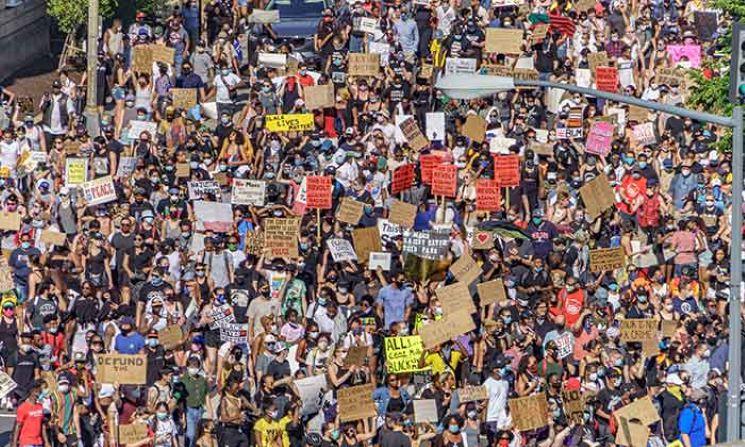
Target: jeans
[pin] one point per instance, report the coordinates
(193, 416)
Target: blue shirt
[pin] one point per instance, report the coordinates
(129, 344)
(394, 302)
(691, 423)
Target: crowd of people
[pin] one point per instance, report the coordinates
(164, 236)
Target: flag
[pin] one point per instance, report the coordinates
(564, 25)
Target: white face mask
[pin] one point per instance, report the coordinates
(192, 371)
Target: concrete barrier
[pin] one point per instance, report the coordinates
(24, 36)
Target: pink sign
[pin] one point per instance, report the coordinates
(600, 138)
(692, 52)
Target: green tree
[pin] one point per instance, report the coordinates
(72, 14)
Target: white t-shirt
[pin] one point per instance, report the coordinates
(496, 408)
(222, 83)
(9, 153)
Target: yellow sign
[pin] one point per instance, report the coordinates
(76, 170)
(402, 354)
(295, 122)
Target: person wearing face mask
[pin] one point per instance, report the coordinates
(26, 364)
(226, 84)
(698, 366)
(197, 390)
(31, 425)
(19, 264)
(64, 411)
(318, 357)
(682, 185)
(263, 305)
(129, 341)
(164, 427)
(452, 435)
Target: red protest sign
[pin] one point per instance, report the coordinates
(600, 138)
(507, 170)
(403, 177)
(428, 164)
(488, 196)
(319, 192)
(606, 79)
(445, 180)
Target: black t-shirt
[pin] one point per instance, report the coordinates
(85, 310)
(156, 360)
(150, 291)
(23, 374)
(390, 438)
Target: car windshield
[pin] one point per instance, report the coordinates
(297, 8)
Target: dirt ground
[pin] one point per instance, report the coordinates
(36, 79)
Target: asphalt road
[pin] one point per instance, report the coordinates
(6, 426)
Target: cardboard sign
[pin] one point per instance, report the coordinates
(355, 402)
(98, 191)
(539, 32)
(482, 240)
(606, 79)
(472, 394)
(356, 355)
(319, 96)
(683, 53)
(170, 336)
(294, 122)
(425, 410)
(638, 329)
(6, 275)
(426, 244)
(488, 195)
(311, 391)
(402, 354)
(183, 170)
(475, 128)
(136, 128)
(184, 98)
(366, 241)
(203, 189)
(668, 76)
(504, 41)
(52, 237)
(597, 196)
(379, 259)
(631, 434)
(644, 134)
(600, 138)
(669, 328)
(350, 211)
(248, 192)
(445, 181)
(162, 54)
(455, 297)
(584, 5)
(280, 237)
(341, 250)
(132, 433)
(364, 64)
(142, 59)
(637, 114)
(642, 409)
(428, 163)
(507, 170)
(607, 259)
(465, 269)
(491, 292)
(122, 368)
(319, 192)
(403, 178)
(7, 384)
(76, 171)
(444, 329)
(402, 213)
(597, 59)
(413, 134)
(264, 16)
(574, 405)
(426, 71)
(529, 413)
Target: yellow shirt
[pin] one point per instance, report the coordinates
(273, 433)
(438, 364)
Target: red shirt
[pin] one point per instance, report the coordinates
(571, 304)
(29, 418)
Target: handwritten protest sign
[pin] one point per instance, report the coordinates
(273, 60)
(7, 384)
(53, 237)
(319, 192)
(10, 221)
(482, 240)
(435, 126)
(644, 134)
(638, 329)
(234, 333)
(669, 76)
(98, 191)
(427, 164)
(597, 196)
(413, 134)
(311, 390)
(403, 178)
(142, 59)
(460, 65)
(472, 394)
(507, 170)
(539, 32)
(183, 170)
(491, 292)
(6, 275)
(607, 259)
(126, 369)
(402, 213)
(350, 211)
(455, 297)
(202, 189)
(597, 59)
(248, 192)
(319, 96)
(529, 413)
(162, 54)
(280, 237)
(132, 433)
(606, 79)
(475, 128)
(364, 64)
(136, 128)
(170, 336)
(126, 167)
(402, 354)
(184, 98)
(355, 402)
(445, 181)
(449, 326)
(214, 216)
(600, 138)
(264, 16)
(574, 405)
(642, 409)
(356, 355)
(341, 250)
(294, 122)
(504, 41)
(680, 53)
(488, 196)
(76, 171)
(425, 410)
(426, 244)
(465, 269)
(366, 241)
(668, 328)
(379, 259)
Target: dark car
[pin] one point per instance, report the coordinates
(298, 20)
